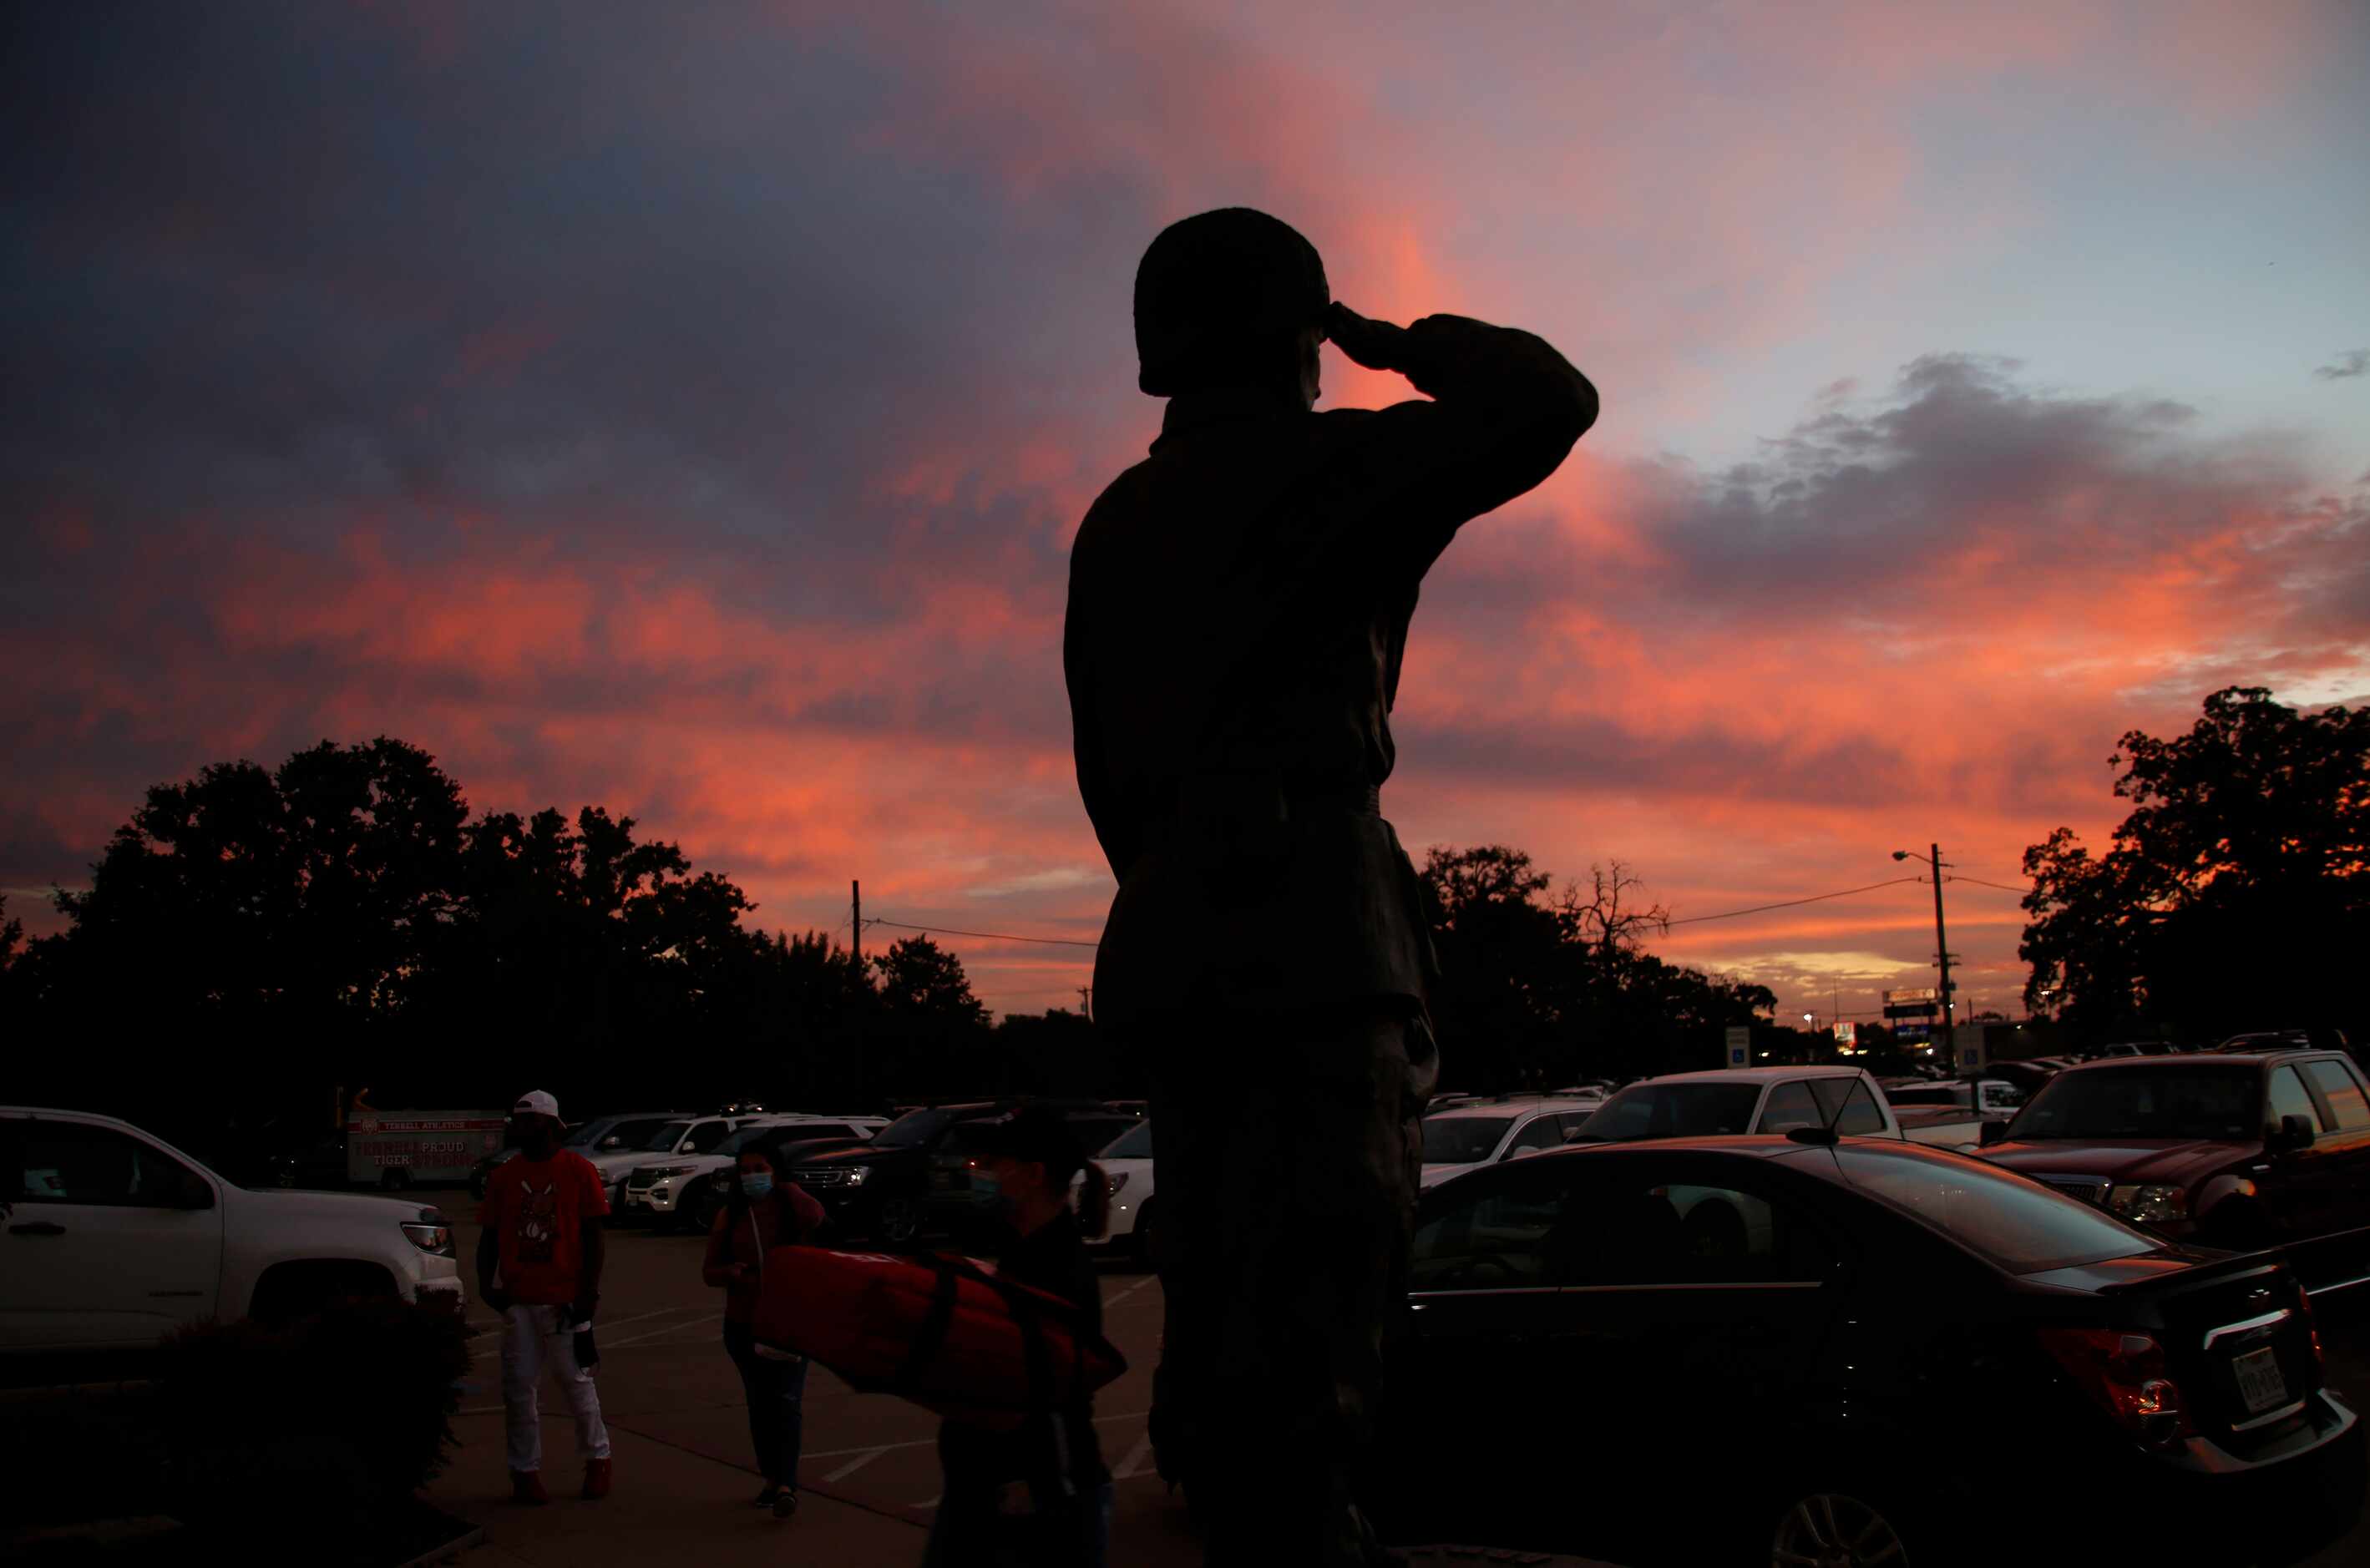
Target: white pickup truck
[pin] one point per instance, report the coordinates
(1766, 1099)
(113, 1239)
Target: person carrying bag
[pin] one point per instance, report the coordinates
(761, 1213)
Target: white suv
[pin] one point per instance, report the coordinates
(678, 1186)
(684, 1135)
(1128, 1163)
(114, 1239)
(1481, 1132)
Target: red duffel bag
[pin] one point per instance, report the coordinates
(941, 1331)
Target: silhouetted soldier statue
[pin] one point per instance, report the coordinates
(1238, 610)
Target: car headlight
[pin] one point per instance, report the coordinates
(436, 1239)
(855, 1175)
(1118, 1182)
(672, 1169)
(2149, 1203)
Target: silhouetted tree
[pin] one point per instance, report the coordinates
(1536, 991)
(2236, 893)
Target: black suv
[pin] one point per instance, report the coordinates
(915, 1173)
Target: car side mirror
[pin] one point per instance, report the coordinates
(2295, 1132)
(613, 1141)
(1991, 1133)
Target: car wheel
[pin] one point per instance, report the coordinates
(1836, 1530)
(897, 1219)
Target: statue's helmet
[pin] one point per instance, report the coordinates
(1220, 287)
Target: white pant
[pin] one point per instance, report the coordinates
(536, 1338)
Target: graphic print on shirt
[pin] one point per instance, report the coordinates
(538, 1220)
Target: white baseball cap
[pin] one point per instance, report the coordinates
(537, 1101)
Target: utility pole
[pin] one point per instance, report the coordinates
(855, 920)
(1941, 950)
(1942, 957)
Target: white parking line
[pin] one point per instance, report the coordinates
(695, 1322)
(1134, 1464)
(1115, 1300)
(865, 1458)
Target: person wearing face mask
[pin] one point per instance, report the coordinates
(1041, 1495)
(539, 1266)
(762, 1212)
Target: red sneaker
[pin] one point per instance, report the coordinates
(596, 1478)
(526, 1486)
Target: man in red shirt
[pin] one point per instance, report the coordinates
(539, 1266)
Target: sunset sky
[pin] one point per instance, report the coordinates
(687, 409)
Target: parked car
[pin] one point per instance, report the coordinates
(115, 1239)
(678, 1135)
(1128, 1163)
(1482, 1132)
(625, 1131)
(1766, 1099)
(917, 1173)
(2029, 1076)
(2239, 1150)
(1985, 1096)
(1840, 1314)
(678, 1188)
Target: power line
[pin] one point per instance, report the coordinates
(1981, 883)
(1790, 903)
(987, 935)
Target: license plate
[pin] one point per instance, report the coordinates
(942, 1178)
(2260, 1383)
(634, 1199)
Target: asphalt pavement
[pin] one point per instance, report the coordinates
(869, 1466)
(666, 1386)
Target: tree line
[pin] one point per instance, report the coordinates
(252, 940)
(2234, 896)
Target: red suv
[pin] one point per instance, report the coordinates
(2242, 1149)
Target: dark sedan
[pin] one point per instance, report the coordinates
(1756, 1349)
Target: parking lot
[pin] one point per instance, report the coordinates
(667, 1386)
(664, 1378)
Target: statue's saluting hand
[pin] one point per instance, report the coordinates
(1374, 344)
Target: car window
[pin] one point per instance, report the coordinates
(706, 1135)
(1790, 1105)
(1652, 1232)
(1490, 1239)
(74, 1162)
(1539, 1132)
(665, 1136)
(2021, 1225)
(2343, 1091)
(1136, 1144)
(2002, 1096)
(1461, 1141)
(1568, 1122)
(1671, 1110)
(2288, 1099)
(968, 1140)
(1847, 1106)
(2182, 1100)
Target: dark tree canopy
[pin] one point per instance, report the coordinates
(260, 938)
(1539, 988)
(2235, 894)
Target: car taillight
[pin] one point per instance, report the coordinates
(2312, 1332)
(2125, 1374)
